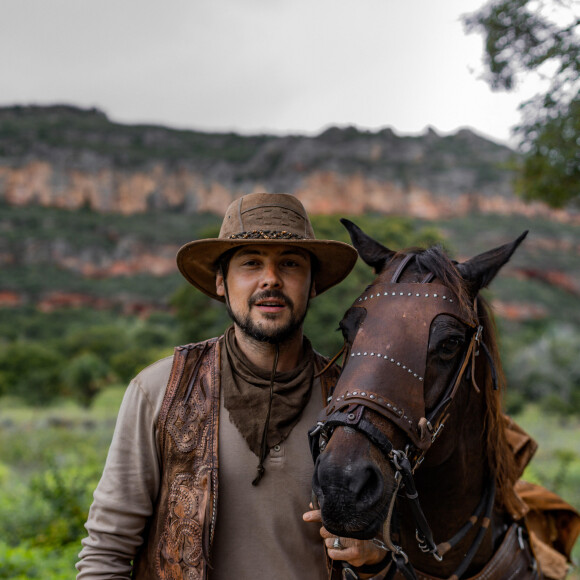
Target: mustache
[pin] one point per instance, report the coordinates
(277, 294)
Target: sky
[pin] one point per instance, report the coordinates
(257, 66)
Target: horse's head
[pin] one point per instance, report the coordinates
(411, 343)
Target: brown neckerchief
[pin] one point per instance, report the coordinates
(247, 394)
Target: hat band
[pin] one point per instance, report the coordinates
(266, 235)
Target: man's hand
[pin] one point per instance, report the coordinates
(355, 552)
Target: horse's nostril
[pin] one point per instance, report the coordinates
(366, 485)
(360, 481)
(351, 496)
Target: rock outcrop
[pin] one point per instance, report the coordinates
(66, 157)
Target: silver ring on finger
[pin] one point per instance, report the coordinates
(336, 544)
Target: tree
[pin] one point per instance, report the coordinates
(31, 371)
(85, 375)
(541, 37)
(548, 370)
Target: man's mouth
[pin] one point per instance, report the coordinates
(270, 302)
(270, 305)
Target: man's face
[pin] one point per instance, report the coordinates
(268, 289)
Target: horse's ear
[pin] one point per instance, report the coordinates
(481, 270)
(372, 252)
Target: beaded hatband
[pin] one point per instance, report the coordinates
(265, 235)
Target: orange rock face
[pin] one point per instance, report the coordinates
(322, 192)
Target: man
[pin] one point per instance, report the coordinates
(228, 414)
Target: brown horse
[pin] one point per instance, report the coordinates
(411, 449)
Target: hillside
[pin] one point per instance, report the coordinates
(92, 212)
(63, 156)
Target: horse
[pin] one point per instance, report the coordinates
(411, 450)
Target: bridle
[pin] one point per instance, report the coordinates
(419, 304)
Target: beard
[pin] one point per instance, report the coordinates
(273, 335)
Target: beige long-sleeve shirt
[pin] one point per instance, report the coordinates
(259, 531)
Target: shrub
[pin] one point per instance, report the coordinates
(31, 371)
(84, 376)
(25, 562)
(130, 362)
(548, 369)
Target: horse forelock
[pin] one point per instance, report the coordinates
(435, 260)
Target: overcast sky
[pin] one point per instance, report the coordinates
(275, 66)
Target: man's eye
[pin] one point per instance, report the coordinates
(291, 264)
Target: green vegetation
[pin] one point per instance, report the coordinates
(74, 131)
(50, 463)
(526, 37)
(62, 372)
(51, 460)
(76, 352)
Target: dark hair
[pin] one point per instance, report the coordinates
(222, 264)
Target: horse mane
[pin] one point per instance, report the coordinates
(500, 457)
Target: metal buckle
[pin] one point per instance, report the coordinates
(521, 538)
(380, 544)
(396, 454)
(399, 552)
(436, 434)
(348, 572)
(317, 429)
(478, 334)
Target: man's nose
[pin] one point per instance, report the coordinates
(271, 277)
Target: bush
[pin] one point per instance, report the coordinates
(548, 369)
(84, 376)
(129, 363)
(31, 371)
(103, 340)
(25, 562)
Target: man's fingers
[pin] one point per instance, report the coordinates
(356, 552)
(312, 516)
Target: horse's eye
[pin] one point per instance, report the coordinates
(351, 322)
(449, 347)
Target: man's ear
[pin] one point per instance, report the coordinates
(313, 289)
(220, 287)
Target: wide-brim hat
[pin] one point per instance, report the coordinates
(265, 218)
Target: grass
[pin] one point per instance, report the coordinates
(50, 462)
(556, 464)
(42, 522)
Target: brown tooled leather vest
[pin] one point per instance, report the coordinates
(179, 537)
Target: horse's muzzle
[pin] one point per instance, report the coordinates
(351, 495)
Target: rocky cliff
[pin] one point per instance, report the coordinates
(66, 157)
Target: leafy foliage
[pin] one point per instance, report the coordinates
(551, 168)
(51, 458)
(84, 375)
(548, 370)
(31, 371)
(50, 463)
(543, 37)
(25, 562)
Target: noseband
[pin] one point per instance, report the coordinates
(390, 382)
